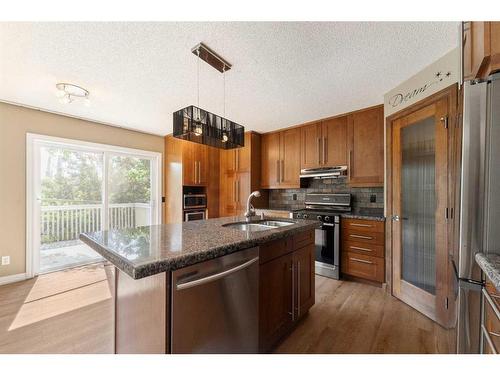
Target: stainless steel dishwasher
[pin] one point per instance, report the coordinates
(215, 305)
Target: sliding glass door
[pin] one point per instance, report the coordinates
(76, 187)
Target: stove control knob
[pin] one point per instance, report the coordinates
(299, 216)
(327, 218)
(305, 216)
(319, 217)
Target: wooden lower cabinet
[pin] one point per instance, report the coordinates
(491, 319)
(362, 249)
(286, 286)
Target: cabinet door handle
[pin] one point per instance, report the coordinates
(319, 150)
(282, 170)
(292, 269)
(361, 248)
(237, 164)
(298, 288)
(238, 190)
(278, 175)
(360, 225)
(486, 335)
(349, 163)
(325, 155)
(359, 236)
(360, 260)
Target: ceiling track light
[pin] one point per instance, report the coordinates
(68, 92)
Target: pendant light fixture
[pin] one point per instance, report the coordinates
(198, 125)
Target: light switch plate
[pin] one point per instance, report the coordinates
(5, 260)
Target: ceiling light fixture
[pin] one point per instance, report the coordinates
(67, 93)
(197, 125)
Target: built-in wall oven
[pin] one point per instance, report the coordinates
(195, 207)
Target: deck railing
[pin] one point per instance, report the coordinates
(65, 223)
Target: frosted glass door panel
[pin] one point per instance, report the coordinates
(418, 201)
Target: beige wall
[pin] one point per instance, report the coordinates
(15, 122)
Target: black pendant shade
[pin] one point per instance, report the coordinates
(197, 125)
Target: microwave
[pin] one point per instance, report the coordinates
(192, 201)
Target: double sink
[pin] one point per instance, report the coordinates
(258, 226)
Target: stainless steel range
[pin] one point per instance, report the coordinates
(327, 209)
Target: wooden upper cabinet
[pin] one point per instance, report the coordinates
(195, 164)
(334, 142)
(324, 144)
(365, 138)
(481, 49)
(280, 159)
(310, 155)
(270, 159)
(290, 158)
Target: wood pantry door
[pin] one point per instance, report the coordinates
(419, 201)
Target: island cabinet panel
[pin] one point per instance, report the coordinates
(481, 49)
(365, 135)
(304, 262)
(275, 295)
(286, 286)
(281, 159)
(140, 309)
(363, 249)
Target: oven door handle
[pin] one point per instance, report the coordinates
(328, 224)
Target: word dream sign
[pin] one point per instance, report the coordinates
(437, 76)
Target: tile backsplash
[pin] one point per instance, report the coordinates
(284, 198)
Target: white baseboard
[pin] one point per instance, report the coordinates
(12, 278)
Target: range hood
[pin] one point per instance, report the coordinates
(306, 175)
(325, 172)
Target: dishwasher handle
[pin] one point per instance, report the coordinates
(216, 276)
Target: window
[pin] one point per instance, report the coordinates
(75, 187)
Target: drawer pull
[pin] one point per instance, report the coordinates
(359, 236)
(491, 303)
(488, 339)
(360, 248)
(361, 225)
(360, 260)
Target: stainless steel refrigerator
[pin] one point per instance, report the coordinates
(480, 203)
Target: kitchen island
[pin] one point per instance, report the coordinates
(161, 308)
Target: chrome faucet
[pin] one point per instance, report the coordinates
(250, 210)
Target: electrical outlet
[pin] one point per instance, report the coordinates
(373, 198)
(294, 197)
(5, 260)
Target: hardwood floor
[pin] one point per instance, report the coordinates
(351, 317)
(61, 312)
(72, 312)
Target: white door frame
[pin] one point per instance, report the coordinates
(33, 143)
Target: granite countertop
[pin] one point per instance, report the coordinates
(148, 250)
(490, 264)
(376, 214)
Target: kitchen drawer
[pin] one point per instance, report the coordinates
(363, 225)
(363, 248)
(491, 321)
(375, 238)
(364, 266)
(275, 249)
(494, 293)
(303, 239)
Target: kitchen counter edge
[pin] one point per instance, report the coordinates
(490, 264)
(165, 265)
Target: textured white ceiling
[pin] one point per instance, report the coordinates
(283, 73)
